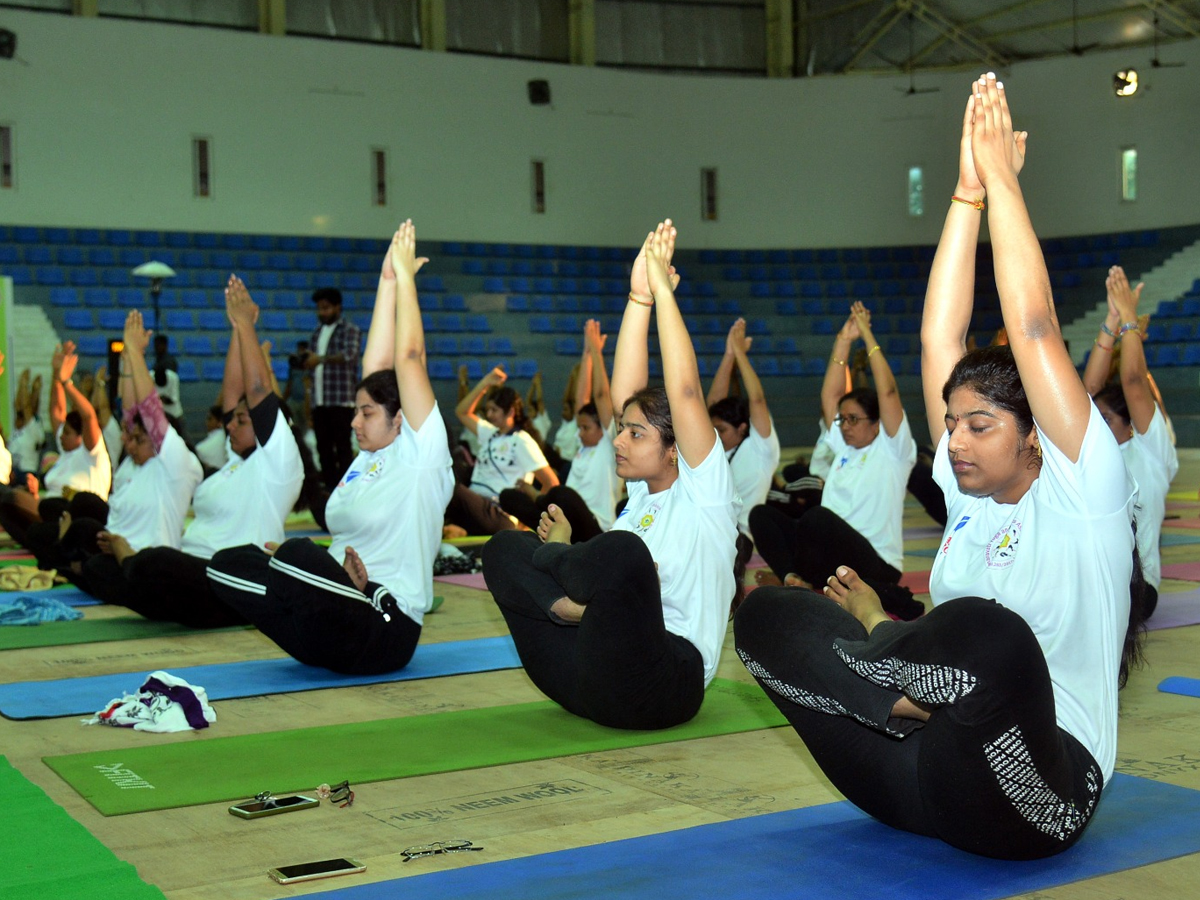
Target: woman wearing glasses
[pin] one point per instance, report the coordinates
(859, 521)
(626, 629)
(988, 723)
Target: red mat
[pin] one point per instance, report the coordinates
(917, 582)
(1186, 571)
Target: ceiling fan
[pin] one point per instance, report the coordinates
(912, 83)
(1075, 47)
(1156, 63)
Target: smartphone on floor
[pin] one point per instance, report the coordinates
(256, 809)
(326, 868)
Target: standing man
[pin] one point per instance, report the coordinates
(334, 363)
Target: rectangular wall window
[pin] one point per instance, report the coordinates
(202, 183)
(537, 178)
(7, 166)
(708, 195)
(1129, 174)
(916, 191)
(379, 176)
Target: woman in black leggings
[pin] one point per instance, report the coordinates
(990, 724)
(626, 628)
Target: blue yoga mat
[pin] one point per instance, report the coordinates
(228, 681)
(824, 852)
(1177, 684)
(1177, 540)
(68, 594)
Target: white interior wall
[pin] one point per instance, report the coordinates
(104, 111)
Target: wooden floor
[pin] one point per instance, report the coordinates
(203, 853)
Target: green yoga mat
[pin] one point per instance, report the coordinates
(166, 776)
(58, 859)
(87, 631)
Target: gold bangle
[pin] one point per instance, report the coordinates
(633, 299)
(974, 204)
(840, 362)
(873, 349)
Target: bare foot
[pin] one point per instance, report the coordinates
(849, 591)
(114, 545)
(554, 527)
(908, 709)
(568, 610)
(450, 532)
(765, 577)
(791, 579)
(354, 567)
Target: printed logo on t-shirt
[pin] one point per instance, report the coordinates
(961, 522)
(860, 461)
(347, 478)
(1002, 548)
(374, 470)
(647, 519)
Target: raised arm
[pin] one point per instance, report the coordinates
(467, 405)
(1100, 361)
(1060, 405)
(719, 388)
(91, 425)
(58, 396)
(416, 393)
(891, 411)
(137, 386)
(601, 394)
(631, 364)
(694, 432)
(381, 336)
(950, 294)
(535, 400)
(233, 384)
(243, 314)
(99, 396)
(833, 388)
(756, 397)
(1135, 376)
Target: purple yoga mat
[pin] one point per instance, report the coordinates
(1175, 610)
(472, 580)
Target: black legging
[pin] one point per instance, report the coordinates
(814, 545)
(161, 583)
(475, 513)
(528, 510)
(990, 772)
(620, 666)
(306, 603)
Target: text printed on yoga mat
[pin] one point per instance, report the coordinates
(125, 779)
(456, 809)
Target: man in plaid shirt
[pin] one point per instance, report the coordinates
(334, 360)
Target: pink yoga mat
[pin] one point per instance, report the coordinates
(1187, 571)
(1182, 523)
(756, 562)
(1175, 610)
(473, 580)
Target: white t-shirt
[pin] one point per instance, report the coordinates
(866, 487)
(149, 502)
(112, 438)
(168, 394)
(6, 463)
(395, 498)
(1152, 463)
(503, 459)
(80, 469)
(593, 477)
(1061, 558)
(26, 444)
(543, 424)
(566, 440)
(247, 500)
(822, 455)
(212, 449)
(691, 530)
(753, 463)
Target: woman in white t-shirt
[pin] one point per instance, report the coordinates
(357, 608)
(509, 452)
(988, 723)
(1139, 424)
(31, 513)
(153, 485)
(246, 500)
(589, 498)
(860, 520)
(744, 425)
(626, 629)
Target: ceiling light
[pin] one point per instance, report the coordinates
(1125, 83)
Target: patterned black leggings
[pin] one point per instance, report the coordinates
(990, 772)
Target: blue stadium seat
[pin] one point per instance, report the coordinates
(79, 319)
(111, 319)
(473, 344)
(180, 320)
(477, 323)
(199, 345)
(442, 370)
(50, 275)
(500, 345)
(189, 372)
(65, 296)
(212, 370)
(97, 298)
(525, 368)
(94, 345)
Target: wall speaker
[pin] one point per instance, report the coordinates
(8, 46)
(539, 92)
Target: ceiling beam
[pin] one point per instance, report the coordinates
(955, 32)
(885, 20)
